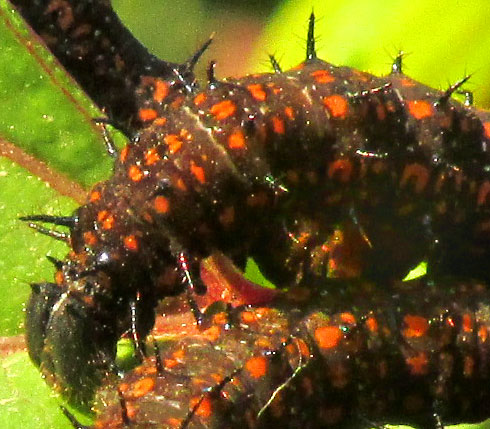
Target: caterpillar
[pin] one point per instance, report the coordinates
(343, 358)
(242, 166)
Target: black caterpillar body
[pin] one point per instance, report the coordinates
(266, 166)
(320, 360)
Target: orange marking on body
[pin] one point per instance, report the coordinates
(170, 363)
(486, 129)
(220, 318)
(198, 172)
(89, 238)
(199, 99)
(416, 326)
(348, 318)
(328, 337)
(236, 140)
(467, 323)
(341, 166)
(131, 243)
(173, 142)
(227, 216)
(337, 106)
(106, 219)
(152, 156)
(322, 76)
(174, 422)
(248, 317)
(161, 204)
(177, 103)
(95, 196)
(381, 112)
(483, 193)
(289, 112)
(124, 153)
(257, 366)
(204, 406)
(257, 91)
(142, 387)
(223, 109)
(419, 172)
(135, 173)
(59, 278)
(483, 334)
(407, 82)
(146, 115)
(179, 184)
(160, 121)
(418, 364)
(420, 109)
(372, 324)
(161, 90)
(212, 334)
(179, 354)
(278, 125)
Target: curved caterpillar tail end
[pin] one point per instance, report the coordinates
(87, 37)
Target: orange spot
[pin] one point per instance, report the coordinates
(348, 318)
(419, 172)
(223, 110)
(257, 91)
(177, 102)
(407, 82)
(95, 196)
(180, 184)
(220, 318)
(328, 337)
(174, 422)
(161, 90)
(467, 323)
(341, 166)
(160, 121)
(204, 407)
(124, 153)
(170, 363)
(418, 364)
(179, 354)
(212, 334)
(289, 112)
(236, 140)
(278, 125)
(483, 334)
(142, 387)
(248, 317)
(486, 129)
(173, 142)
(372, 324)
(337, 106)
(420, 109)
(483, 192)
(152, 156)
(59, 277)
(417, 326)
(322, 76)
(198, 172)
(161, 204)
(106, 219)
(147, 114)
(89, 238)
(257, 366)
(135, 173)
(199, 99)
(131, 243)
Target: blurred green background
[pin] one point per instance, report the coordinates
(443, 41)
